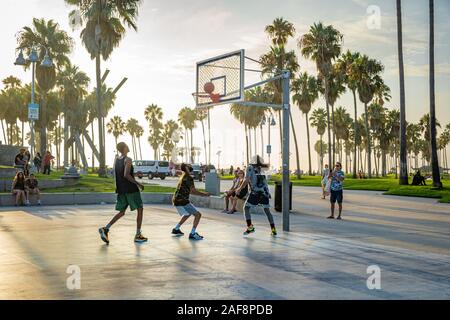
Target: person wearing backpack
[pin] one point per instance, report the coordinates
(259, 194)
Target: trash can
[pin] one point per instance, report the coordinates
(212, 183)
(278, 196)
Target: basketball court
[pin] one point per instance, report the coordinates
(317, 260)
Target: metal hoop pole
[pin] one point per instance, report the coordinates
(285, 187)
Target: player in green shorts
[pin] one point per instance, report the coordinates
(128, 194)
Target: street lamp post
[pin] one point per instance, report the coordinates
(46, 62)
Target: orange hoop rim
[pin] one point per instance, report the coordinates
(215, 97)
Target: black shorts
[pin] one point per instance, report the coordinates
(241, 195)
(258, 199)
(336, 196)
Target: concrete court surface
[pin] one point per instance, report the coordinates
(407, 238)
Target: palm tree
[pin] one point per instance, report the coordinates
(343, 122)
(276, 60)
(346, 65)
(335, 89)
(319, 121)
(434, 158)
(369, 84)
(116, 126)
(153, 114)
(323, 45)
(187, 118)
(168, 143)
(131, 127)
(138, 133)
(321, 148)
(58, 44)
(103, 29)
(403, 160)
(306, 92)
(280, 31)
(74, 84)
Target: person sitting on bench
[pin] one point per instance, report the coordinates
(418, 179)
(31, 187)
(19, 160)
(241, 191)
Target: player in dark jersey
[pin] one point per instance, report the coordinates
(128, 193)
(259, 194)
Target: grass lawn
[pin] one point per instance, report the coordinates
(92, 183)
(388, 184)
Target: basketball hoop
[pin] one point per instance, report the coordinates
(212, 97)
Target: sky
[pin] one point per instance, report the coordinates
(159, 59)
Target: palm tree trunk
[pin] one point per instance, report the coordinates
(321, 153)
(192, 147)
(369, 148)
(140, 150)
(334, 134)
(403, 165)
(297, 155)
(309, 144)
(102, 169)
(355, 129)
(23, 133)
(247, 144)
(204, 142)
(4, 134)
(328, 125)
(434, 158)
(93, 139)
(43, 117)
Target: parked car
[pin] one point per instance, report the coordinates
(152, 168)
(197, 172)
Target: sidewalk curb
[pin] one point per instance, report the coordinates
(53, 199)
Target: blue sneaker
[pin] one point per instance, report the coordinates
(195, 236)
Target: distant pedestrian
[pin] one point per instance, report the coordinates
(325, 174)
(47, 162)
(37, 162)
(337, 177)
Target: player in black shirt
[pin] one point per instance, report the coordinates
(128, 193)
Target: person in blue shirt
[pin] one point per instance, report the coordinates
(337, 177)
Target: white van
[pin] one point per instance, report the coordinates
(152, 168)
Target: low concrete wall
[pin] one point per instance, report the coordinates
(110, 198)
(5, 185)
(7, 172)
(7, 154)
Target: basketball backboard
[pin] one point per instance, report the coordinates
(220, 80)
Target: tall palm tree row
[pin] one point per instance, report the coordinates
(305, 92)
(323, 45)
(103, 27)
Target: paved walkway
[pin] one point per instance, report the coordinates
(319, 259)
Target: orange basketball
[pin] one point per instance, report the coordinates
(209, 87)
(215, 97)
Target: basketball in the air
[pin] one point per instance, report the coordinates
(209, 87)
